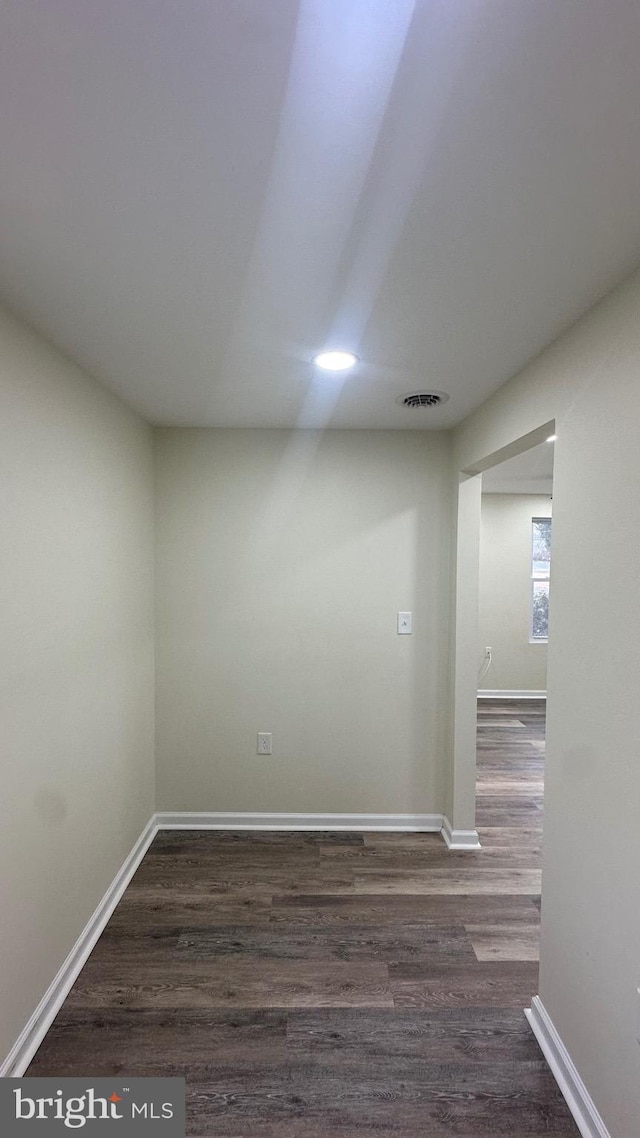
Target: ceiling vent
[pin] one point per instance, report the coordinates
(422, 399)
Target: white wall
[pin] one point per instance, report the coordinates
(76, 656)
(590, 965)
(505, 592)
(283, 559)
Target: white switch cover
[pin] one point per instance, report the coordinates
(404, 623)
(264, 743)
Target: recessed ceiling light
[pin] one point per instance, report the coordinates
(335, 361)
(552, 438)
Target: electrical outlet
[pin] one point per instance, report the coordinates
(488, 651)
(405, 621)
(264, 742)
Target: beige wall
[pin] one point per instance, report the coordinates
(76, 657)
(590, 967)
(282, 562)
(505, 592)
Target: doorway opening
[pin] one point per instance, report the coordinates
(513, 632)
(459, 829)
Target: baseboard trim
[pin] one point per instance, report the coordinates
(576, 1095)
(31, 1037)
(248, 820)
(510, 693)
(459, 839)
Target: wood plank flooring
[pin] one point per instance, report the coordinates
(334, 985)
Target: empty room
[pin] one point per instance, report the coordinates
(320, 486)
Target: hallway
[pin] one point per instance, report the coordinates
(334, 984)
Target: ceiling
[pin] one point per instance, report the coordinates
(197, 196)
(527, 473)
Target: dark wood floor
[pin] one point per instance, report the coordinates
(316, 985)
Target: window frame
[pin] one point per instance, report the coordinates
(533, 580)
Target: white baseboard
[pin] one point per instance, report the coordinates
(578, 1099)
(30, 1038)
(459, 839)
(227, 820)
(510, 693)
(35, 1030)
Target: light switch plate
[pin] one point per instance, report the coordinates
(404, 623)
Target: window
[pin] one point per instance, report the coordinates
(540, 566)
